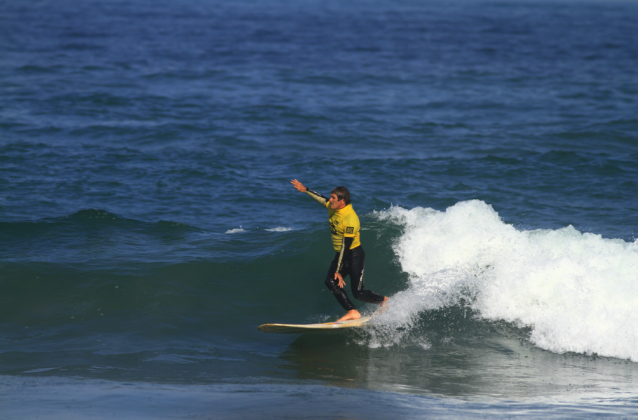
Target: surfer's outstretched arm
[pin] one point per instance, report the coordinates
(315, 195)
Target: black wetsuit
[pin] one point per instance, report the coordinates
(353, 266)
(348, 262)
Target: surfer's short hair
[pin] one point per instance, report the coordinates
(342, 193)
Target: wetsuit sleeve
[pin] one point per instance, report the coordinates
(318, 197)
(344, 255)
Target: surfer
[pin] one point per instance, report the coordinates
(349, 258)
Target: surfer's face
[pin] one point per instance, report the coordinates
(335, 203)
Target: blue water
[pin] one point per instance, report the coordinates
(148, 224)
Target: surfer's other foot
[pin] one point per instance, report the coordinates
(383, 305)
(350, 315)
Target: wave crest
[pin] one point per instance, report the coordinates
(577, 292)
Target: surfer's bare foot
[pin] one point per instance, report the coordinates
(350, 315)
(383, 305)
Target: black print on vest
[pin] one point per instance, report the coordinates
(333, 228)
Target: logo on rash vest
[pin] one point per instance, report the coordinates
(350, 230)
(333, 228)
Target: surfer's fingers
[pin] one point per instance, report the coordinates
(298, 185)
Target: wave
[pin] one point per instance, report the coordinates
(574, 292)
(91, 217)
(463, 268)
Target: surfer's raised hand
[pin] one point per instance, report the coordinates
(339, 277)
(298, 185)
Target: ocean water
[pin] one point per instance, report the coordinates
(148, 224)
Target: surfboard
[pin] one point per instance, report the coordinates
(301, 328)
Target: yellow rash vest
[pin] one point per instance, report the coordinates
(344, 224)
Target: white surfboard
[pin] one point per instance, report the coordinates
(301, 328)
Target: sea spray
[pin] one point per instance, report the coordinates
(576, 291)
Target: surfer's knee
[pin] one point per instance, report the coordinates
(358, 294)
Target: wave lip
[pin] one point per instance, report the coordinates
(576, 291)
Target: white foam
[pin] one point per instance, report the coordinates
(279, 229)
(577, 291)
(235, 230)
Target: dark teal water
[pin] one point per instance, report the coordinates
(148, 226)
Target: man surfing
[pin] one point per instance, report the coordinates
(349, 258)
